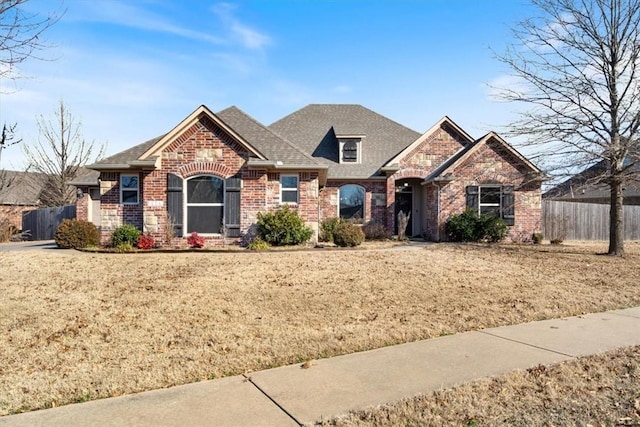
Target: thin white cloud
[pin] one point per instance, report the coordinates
(247, 36)
(129, 14)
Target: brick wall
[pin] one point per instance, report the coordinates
(12, 214)
(490, 164)
(204, 148)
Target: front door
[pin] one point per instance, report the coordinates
(404, 203)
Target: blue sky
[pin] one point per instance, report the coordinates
(131, 70)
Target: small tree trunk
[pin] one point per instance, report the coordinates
(616, 219)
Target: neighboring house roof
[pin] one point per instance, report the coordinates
(590, 185)
(315, 129)
(123, 158)
(20, 188)
(445, 172)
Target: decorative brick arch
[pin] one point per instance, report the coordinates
(205, 168)
(410, 173)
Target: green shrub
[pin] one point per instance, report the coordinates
(257, 244)
(126, 233)
(463, 227)
(492, 228)
(347, 234)
(471, 227)
(327, 227)
(375, 231)
(72, 234)
(283, 227)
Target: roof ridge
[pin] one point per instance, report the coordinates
(283, 139)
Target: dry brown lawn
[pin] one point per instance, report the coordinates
(601, 390)
(76, 326)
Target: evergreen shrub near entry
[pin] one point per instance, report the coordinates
(283, 227)
(126, 233)
(471, 227)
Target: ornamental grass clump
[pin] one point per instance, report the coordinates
(283, 227)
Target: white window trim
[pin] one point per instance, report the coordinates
(358, 151)
(297, 190)
(186, 204)
(481, 205)
(137, 190)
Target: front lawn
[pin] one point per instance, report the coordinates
(76, 326)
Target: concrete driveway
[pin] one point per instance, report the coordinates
(28, 246)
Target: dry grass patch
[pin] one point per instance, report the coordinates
(77, 326)
(602, 390)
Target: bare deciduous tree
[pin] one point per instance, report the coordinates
(21, 35)
(59, 153)
(576, 71)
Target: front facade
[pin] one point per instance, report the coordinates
(214, 172)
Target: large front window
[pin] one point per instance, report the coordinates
(352, 202)
(497, 200)
(205, 204)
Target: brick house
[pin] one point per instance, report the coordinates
(214, 172)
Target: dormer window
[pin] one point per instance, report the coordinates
(350, 150)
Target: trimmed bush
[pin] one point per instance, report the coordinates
(145, 242)
(537, 238)
(283, 227)
(471, 227)
(375, 231)
(327, 227)
(463, 227)
(73, 234)
(492, 228)
(347, 234)
(195, 241)
(126, 233)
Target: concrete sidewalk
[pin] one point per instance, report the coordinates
(291, 395)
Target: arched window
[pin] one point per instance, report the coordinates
(352, 202)
(205, 204)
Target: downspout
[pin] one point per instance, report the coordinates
(438, 214)
(317, 233)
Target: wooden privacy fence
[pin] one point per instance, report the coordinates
(585, 221)
(41, 224)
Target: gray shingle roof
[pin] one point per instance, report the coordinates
(314, 129)
(129, 154)
(20, 188)
(264, 140)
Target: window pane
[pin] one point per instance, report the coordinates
(129, 196)
(351, 202)
(289, 182)
(290, 196)
(490, 210)
(204, 219)
(128, 181)
(490, 195)
(205, 189)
